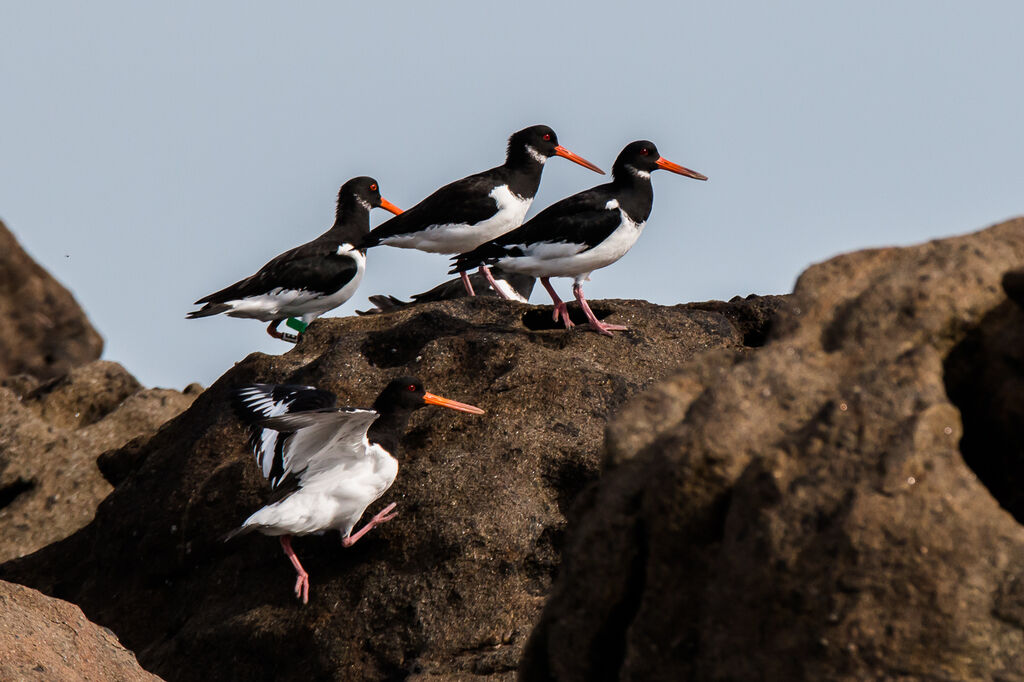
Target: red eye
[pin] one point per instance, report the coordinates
(411, 387)
(644, 151)
(547, 137)
(373, 187)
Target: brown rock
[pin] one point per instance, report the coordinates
(50, 437)
(45, 333)
(451, 588)
(48, 639)
(812, 510)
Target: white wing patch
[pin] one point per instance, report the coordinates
(509, 290)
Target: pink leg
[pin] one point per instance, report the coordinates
(272, 330)
(465, 282)
(560, 307)
(284, 336)
(494, 285)
(382, 516)
(302, 582)
(595, 324)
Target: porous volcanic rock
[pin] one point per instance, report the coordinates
(451, 588)
(817, 509)
(44, 333)
(42, 638)
(51, 434)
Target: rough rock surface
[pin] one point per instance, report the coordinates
(50, 436)
(44, 331)
(42, 638)
(817, 510)
(448, 590)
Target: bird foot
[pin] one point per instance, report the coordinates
(562, 309)
(385, 514)
(607, 329)
(302, 587)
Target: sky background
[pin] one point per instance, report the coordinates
(151, 154)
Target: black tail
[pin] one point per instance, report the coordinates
(383, 304)
(207, 310)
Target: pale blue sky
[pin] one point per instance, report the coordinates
(151, 154)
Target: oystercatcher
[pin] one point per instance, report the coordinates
(515, 286)
(330, 462)
(311, 279)
(584, 232)
(468, 212)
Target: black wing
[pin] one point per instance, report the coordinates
(317, 266)
(255, 403)
(582, 218)
(466, 201)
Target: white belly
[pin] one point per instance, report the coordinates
(462, 237)
(553, 259)
(335, 499)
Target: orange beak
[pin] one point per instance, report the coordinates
(662, 162)
(566, 154)
(388, 206)
(431, 399)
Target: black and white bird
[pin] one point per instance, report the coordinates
(514, 286)
(330, 462)
(584, 232)
(468, 212)
(311, 279)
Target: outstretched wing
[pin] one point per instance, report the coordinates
(318, 441)
(256, 402)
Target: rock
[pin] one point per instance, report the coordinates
(449, 589)
(48, 639)
(45, 333)
(50, 436)
(815, 509)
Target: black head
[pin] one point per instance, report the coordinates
(540, 143)
(363, 192)
(406, 394)
(541, 138)
(640, 158)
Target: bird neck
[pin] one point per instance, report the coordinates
(626, 175)
(351, 221)
(634, 191)
(389, 427)
(523, 167)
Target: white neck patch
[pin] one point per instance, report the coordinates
(364, 203)
(612, 204)
(537, 156)
(637, 172)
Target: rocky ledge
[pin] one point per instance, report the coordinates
(819, 486)
(455, 584)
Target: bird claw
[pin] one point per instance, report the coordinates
(607, 329)
(563, 310)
